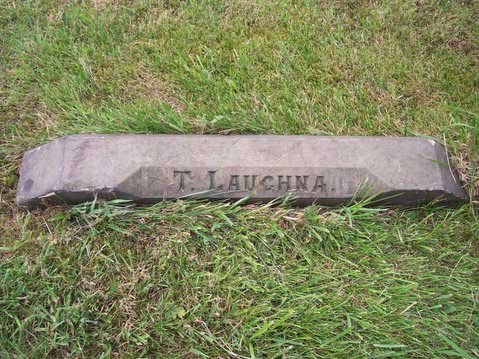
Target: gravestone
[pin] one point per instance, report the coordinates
(310, 169)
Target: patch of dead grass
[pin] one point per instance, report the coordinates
(468, 170)
(146, 85)
(107, 4)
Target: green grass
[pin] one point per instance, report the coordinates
(198, 279)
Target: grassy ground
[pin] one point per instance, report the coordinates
(191, 279)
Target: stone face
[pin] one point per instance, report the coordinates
(312, 169)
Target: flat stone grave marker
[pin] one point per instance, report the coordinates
(311, 169)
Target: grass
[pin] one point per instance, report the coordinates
(198, 279)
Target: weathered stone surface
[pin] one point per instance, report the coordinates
(150, 168)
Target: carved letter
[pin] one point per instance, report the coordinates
(302, 183)
(234, 182)
(212, 180)
(181, 186)
(264, 182)
(319, 184)
(281, 183)
(249, 186)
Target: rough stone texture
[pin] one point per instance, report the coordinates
(150, 168)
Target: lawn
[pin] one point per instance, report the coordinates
(192, 279)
